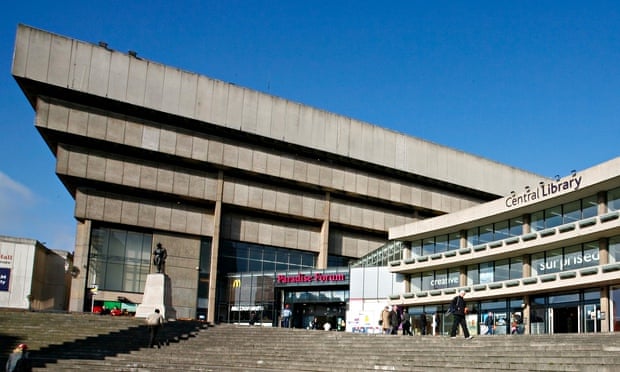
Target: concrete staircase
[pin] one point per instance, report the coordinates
(69, 342)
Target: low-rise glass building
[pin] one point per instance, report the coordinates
(545, 258)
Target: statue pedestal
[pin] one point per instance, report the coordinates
(157, 295)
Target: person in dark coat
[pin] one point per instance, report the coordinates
(406, 324)
(423, 323)
(18, 360)
(489, 322)
(394, 320)
(460, 309)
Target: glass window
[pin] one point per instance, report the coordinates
(416, 248)
(473, 276)
(454, 241)
(441, 279)
(614, 249)
(553, 261)
(573, 257)
(613, 200)
(428, 247)
(486, 233)
(589, 207)
(416, 283)
(119, 260)
(590, 254)
(502, 270)
(516, 226)
(269, 254)
(553, 216)
(589, 295)
(427, 278)
(256, 253)
(454, 278)
(486, 272)
(269, 266)
(537, 221)
(538, 264)
(472, 237)
(516, 268)
(563, 298)
(441, 243)
(255, 265)
(572, 211)
(501, 230)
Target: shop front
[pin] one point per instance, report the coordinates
(259, 298)
(319, 296)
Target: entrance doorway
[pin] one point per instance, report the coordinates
(565, 319)
(332, 313)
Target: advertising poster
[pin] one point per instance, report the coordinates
(5, 275)
(363, 322)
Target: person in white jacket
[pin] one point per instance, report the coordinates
(154, 321)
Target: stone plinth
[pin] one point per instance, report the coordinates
(157, 295)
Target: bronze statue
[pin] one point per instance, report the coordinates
(160, 258)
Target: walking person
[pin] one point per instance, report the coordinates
(154, 321)
(460, 309)
(490, 323)
(385, 321)
(286, 316)
(18, 360)
(423, 323)
(407, 324)
(394, 320)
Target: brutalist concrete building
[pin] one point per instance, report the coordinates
(229, 180)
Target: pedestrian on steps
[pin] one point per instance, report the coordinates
(154, 321)
(18, 360)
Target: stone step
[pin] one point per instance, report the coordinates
(78, 342)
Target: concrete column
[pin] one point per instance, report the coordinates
(406, 246)
(407, 281)
(463, 242)
(527, 265)
(526, 314)
(463, 276)
(215, 248)
(601, 199)
(606, 309)
(324, 248)
(603, 251)
(527, 227)
(78, 293)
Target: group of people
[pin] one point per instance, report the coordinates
(395, 319)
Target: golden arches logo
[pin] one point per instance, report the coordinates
(236, 283)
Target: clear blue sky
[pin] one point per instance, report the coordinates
(532, 84)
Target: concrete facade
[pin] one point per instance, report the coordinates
(576, 255)
(140, 145)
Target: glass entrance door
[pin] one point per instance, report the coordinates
(591, 321)
(565, 319)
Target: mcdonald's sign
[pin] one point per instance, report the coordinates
(236, 283)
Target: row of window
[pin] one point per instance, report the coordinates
(547, 262)
(119, 260)
(540, 220)
(382, 256)
(240, 257)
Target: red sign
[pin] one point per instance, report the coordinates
(316, 277)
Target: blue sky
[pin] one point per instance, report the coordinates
(531, 84)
